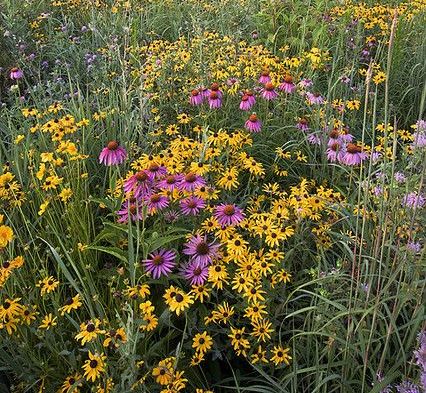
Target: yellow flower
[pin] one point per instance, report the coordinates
(202, 342)
(183, 118)
(65, 194)
(89, 331)
(72, 303)
(47, 285)
(48, 321)
(43, 208)
(19, 138)
(94, 366)
(281, 355)
(6, 235)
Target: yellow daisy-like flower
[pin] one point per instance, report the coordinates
(89, 331)
(281, 355)
(6, 235)
(202, 342)
(94, 366)
(48, 321)
(47, 285)
(72, 303)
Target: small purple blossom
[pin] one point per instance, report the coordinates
(413, 200)
(195, 272)
(160, 262)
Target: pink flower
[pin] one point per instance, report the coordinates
(228, 214)
(156, 171)
(196, 98)
(287, 85)
(170, 182)
(130, 208)
(302, 124)
(245, 104)
(191, 181)
(192, 205)
(253, 124)
(264, 77)
(268, 92)
(112, 154)
(140, 183)
(16, 73)
(214, 100)
(251, 97)
(215, 87)
(353, 155)
(314, 98)
(156, 202)
(335, 152)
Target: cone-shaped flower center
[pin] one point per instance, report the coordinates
(269, 86)
(155, 198)
(133, 209)
(171, 179)
(195, 92)
(288, 79)
(141, 176)
(245, 97)
(6, 264)
(202, 248)
(90, 327)
(112, 145)
(192, 204)
(214, 86)
(14, 69)
(334, 134)
(353, 149)
(158, 260)
(197, 271)
(214, 95)
(253, 118)
(229, 210)
(190, 178)
(179, 298)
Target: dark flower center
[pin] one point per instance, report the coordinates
(245, 97)
(93, 363)
(288, 79)
(238, 336)
(154, 167)
(6, 305)
(6, 264)
(171, 179)
(229, 210)
(69, 301)
(214, 95)
(179, 298)
(353, 149)
(90, 327)
(112, 145)
(71, 381)
(192, 204)
(191, 177)
(202, 248)
(201, 341)
(197, 271)
(280, 354)
(155, 198)
(158, 260)
(141, 176)
(195, 92)
(132, 209)
(269, 86)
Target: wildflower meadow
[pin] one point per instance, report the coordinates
(212, 196)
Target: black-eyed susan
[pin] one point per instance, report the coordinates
(94, 366)
(72, 303)
(48, 322)
(89, 331)
(202, 342)
(72, 383)
(47, 285)
(280, 355)
(262, 329)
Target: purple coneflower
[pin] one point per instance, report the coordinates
(140, 183)
(245, 104)
(253, 124)
(315, 98)
(268, 92)
(112, 154)
(251, 97)
(192, 205)
(16, 73)
(335, 152)
(228, 214)
(160, 262)
(204, 92)
(130, 208)
(302, 124)
(195, 272)
(214, 100)
(156, 202)
(191, 181)
(287, 85)
(215, 88)
(196, 98)
(170, 182)
(264, 77)
(305, 83)
(200, 250)
(156, 171)
(353, 155)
